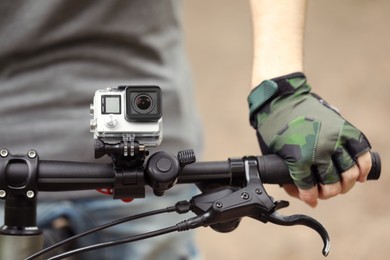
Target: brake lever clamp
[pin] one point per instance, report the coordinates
(223, 208)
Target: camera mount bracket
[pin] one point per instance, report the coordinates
(127, 149)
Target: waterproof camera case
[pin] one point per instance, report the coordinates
(127, 118)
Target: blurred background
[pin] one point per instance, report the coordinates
(347, 61)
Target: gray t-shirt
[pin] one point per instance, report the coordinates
(55, 54)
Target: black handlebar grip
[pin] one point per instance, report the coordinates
(273, 169)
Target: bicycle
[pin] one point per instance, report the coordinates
(230, 190)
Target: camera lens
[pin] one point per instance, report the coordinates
(143, 102)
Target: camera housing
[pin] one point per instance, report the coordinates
(127, 115)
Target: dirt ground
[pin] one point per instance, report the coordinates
(347, 61)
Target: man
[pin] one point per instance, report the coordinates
(55, 54)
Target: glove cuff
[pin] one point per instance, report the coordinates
(268, 90)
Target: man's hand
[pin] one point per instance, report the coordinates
(325, 154)
(358, 172)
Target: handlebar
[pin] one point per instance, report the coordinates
(64, 176)
(67, 176)
(242, 195)
(272, 170)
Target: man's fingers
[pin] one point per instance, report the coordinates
(309, 196)
(358, 172)
(291, 190)
(364, 162)
(328, 191)
(349, 178)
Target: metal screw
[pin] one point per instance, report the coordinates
(91, 109)
(2, 193)
(30, 194)
(4, 153)
(219, 204)
(32, 154)
(244, 195)
(258, 191)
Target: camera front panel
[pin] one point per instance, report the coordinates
(143, 104)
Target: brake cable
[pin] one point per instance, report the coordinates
(179, 208)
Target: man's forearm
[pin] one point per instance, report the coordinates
(278, 27)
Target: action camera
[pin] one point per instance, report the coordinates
(127, 116)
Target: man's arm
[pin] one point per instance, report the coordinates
(278, 28)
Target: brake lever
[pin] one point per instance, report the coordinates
(223, 209)
(297, 219)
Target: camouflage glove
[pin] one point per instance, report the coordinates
(312, 138)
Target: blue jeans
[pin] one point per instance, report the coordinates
(84, 214)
